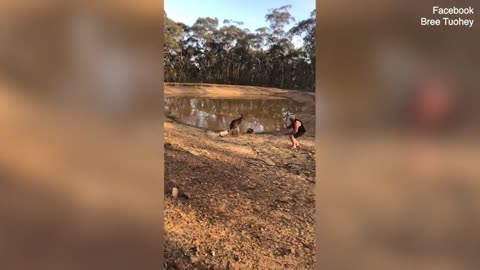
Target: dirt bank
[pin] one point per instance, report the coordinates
(244, 202)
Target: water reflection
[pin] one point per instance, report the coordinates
(262, 115)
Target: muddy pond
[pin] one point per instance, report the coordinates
(262, 115)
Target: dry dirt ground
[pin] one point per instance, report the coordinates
(390, 202)
(244, 202)
(76, 192)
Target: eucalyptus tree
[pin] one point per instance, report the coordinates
(306, 29)
(231, 54)
(173, 47)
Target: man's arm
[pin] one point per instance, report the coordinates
(296, 126)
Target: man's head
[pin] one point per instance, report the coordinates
(289, 120)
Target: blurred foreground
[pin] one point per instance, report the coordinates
(81, 142)
(398, 176)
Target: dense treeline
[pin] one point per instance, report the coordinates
(230, 54)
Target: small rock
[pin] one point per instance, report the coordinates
(257, 208)
(281, 252)
(194, 259)
(186, 196)
(175, 192)
(177, 253)
(306, 246)
(223, 133)
(269, 162)
(192, 251)
(210, 133)
(195, 153)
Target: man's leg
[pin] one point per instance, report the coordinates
(292, 139)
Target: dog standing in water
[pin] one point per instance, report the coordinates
(235, 124)
(298, 130)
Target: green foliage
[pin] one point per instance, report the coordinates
(229, 54)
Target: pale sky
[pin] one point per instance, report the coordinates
(251, 12)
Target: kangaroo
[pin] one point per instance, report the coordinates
(235, 124)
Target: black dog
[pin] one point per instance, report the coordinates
(235, 124)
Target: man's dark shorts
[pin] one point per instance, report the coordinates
(300, 132)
